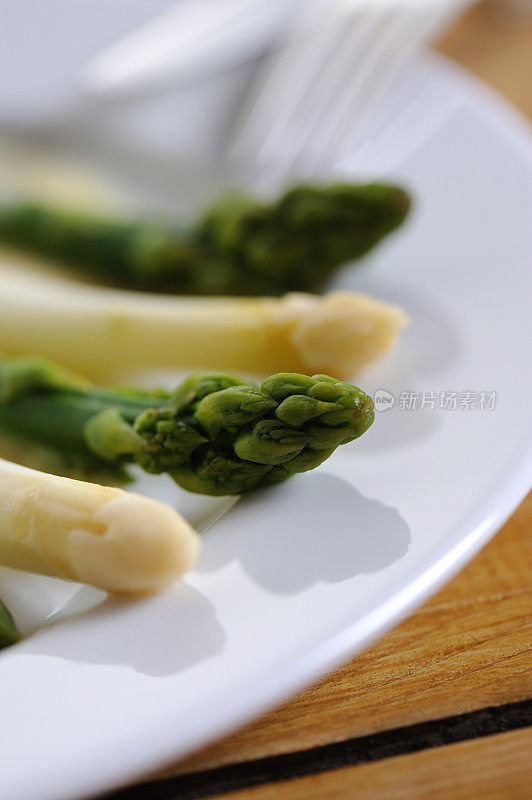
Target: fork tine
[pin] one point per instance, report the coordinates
(286, 77)
(379, 63)
(310, 93)
(350, 58)
(297, 84)
(351, 128)
(313, 106)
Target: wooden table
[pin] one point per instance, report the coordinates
(439, 708)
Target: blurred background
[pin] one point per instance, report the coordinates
(155, 90)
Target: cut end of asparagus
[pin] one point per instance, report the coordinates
(142, 546)
(341, 332)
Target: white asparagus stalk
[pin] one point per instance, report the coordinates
(93, 534)
(109, 333)
(29, 172)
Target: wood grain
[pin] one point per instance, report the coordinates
(467, 648)
(491, 768)
(497, 47)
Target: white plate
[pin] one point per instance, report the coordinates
(300, 577)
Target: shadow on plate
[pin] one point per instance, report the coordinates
(314, 529)
(396, 429)
(159, 636)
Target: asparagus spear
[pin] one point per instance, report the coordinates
(239, 247)
(215, 434)
(93, 534)
(8, 630)
(110, 334)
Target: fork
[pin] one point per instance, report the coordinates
(318, 93)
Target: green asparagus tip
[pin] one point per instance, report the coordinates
(252, 436)
(296, 242)
(215, 434)
(241, 245)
